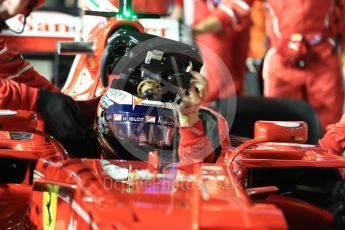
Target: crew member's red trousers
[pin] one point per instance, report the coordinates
(320, 83)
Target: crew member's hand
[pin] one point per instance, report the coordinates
(210, 25)
(176, 13)
(61, 115)
(334, 138)
(188, 106)
(10, 8)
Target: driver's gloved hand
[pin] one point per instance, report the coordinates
(61, 115)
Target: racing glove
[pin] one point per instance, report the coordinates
(61, 115)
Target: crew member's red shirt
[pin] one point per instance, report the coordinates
(224, 53)
(19, 82)
(285, 18)
(148, 6)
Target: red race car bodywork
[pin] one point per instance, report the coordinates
(44, 188)
(52, 190)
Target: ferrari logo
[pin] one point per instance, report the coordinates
(49, 208)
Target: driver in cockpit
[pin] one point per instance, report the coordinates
(129, 127)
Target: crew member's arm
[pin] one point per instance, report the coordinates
(194, 144)
(177, 11)
(17, 96)
(334, 139)
(60, 112)
(12, 64)
(14, 67)
(230, 13)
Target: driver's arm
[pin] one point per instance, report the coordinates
(194, 145)
(334, 139)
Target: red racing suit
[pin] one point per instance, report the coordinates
(334, 139)
(226, 51)
(195, 145)
(304, 61)
(149, 6)
(19, 82)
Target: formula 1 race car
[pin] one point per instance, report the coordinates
(273, 181)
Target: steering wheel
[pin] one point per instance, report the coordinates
(135, 57)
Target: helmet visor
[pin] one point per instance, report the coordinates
(160, 136)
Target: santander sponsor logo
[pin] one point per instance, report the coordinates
(58, 25)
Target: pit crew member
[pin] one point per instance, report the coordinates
(222, 28)
(304, 61)
(139, 6)
(22, 88)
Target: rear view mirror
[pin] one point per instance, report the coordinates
(275, 131)
(281, 131)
